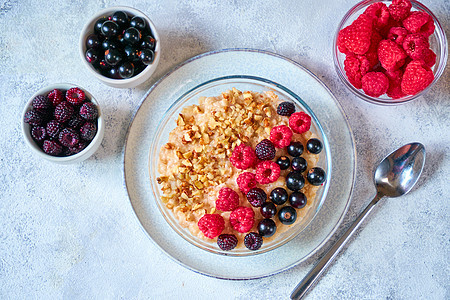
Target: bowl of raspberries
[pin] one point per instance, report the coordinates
(120, 46)
(63, 123)
(389, 52)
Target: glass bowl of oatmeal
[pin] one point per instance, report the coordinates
(189, 159)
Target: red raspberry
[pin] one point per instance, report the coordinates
(416, 46)
(355, 38)
(379, 13)
(397, 34)
(242, 219)
(429, 58)
(395, 78)
(246, 181)
(399, 9)
(416, 78)
(55, 97)
(243, 157)
(211, 225)
(281, 136)
(267, 172)
(375, 84)
(391, 55)
(227, 200)
(419, 22)
(385, 30)
(300, 122)
(355, 67)
(372, 54)
(75, 96)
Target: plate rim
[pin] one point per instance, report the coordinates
(298, 65)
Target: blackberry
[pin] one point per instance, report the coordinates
(52, 147)
(63, 111)
(55, 97)
(53, 128)
(256, 197)
(68, 137)
(42, 104)
(34, 118)
(76, 121)
(265, 150)
(88, 111)
(38, 133)
(75, 96)
(88, 131)
(78, 147)
(227, 242)
(253, 241)
(286, 109)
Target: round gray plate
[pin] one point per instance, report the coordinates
(239, 62)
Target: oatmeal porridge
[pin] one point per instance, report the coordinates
(226, 157)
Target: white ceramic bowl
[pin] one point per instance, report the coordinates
(119, 83)
(85, 153)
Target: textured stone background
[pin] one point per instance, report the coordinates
(70, 232)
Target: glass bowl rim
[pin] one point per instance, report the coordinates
(154, 149)
(442, 41)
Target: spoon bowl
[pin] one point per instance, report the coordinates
(399, 171)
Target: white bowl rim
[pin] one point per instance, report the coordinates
(61, 159)
(86, 31)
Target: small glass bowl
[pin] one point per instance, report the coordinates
(438, 43)
(215, 87)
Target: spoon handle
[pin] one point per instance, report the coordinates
(303, 287)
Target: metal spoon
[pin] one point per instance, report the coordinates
(394, 177)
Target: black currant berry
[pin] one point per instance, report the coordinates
(295, 181)
(278, 196)
(299, 164)
(267, 227)
(297, 199)
(314, 146)
(316, 176)
(295, 149)
(283, 162)
(287, 215)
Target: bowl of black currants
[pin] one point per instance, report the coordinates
(120, 46)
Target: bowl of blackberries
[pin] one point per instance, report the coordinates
(63, 123)
(120, 46)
